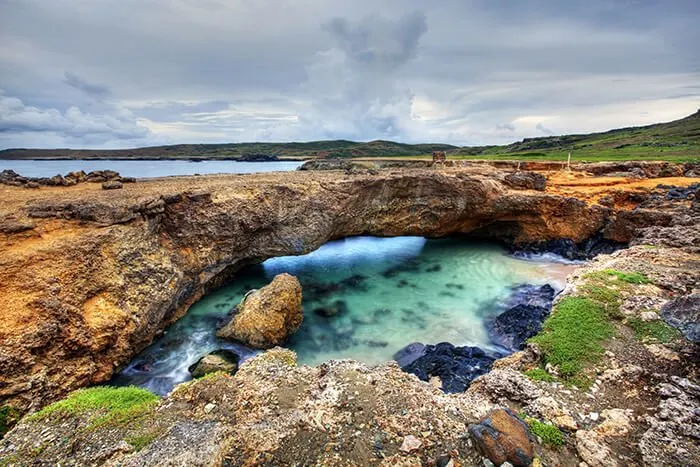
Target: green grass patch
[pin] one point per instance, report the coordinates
(539, 374)
(629, 277)
(549, 434)
(8, 417)
(653, 330)
(107, 404)
(572, 335)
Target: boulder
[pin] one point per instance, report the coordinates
(683, 313)
(528, 308)
(219, 360)
(503, 437)
(112, 185)
(266, 317)
(526, 180)
(456, 367)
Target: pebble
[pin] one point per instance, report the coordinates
(410, 443)
(593, 416)
(209, 407)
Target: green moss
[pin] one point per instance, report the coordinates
(141, 440)
(549, 434)
(653, 330)
(8, 417)
(104, 404)
(573, 334)
(611, 298)
(629, 277)
(538, 374)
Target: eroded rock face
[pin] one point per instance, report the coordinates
(124, 264)
(683, 313)
(272, 413)
(266, 317)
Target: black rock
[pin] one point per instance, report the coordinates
(528, 307)
(568, 249)
(683, 313)
(409, 354)
(456, 367)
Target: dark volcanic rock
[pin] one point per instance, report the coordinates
(456, 367)
(683, 314)
(571, 250)
(503, 437)
(528, 308)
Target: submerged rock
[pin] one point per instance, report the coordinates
(266, 317)
(219, 360)
(529, 306)
(503, 437)
(456, 367)
(338, 307)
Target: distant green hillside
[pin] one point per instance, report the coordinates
(677, 140)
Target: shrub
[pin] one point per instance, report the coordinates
(549, 434)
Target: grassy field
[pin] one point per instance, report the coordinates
(673, 141)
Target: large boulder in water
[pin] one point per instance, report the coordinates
(456, 367)
(218, 360)
(527, 310)
(266, 317)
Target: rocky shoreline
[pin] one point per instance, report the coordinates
(634, 402)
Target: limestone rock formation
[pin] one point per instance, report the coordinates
(266, 317)
(218, 360)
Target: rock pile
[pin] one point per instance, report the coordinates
(12, 178)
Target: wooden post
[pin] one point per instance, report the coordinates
(568, 162)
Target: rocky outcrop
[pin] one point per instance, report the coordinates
(90, 276)
(108, 177)
(266, 317)
(683, 313)
(218, 360)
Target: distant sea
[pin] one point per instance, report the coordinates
(148, 168)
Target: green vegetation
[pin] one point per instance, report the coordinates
(140, 441)
(8, 417)
(107, 404)
(539, 374)
(653, 330)
(677, 141)
(549, 434)
(573, 334)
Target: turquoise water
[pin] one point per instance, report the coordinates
(143, 169)
(390, 292)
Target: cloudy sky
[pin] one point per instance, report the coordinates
(125, 73)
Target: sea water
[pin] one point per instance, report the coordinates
(386, 293)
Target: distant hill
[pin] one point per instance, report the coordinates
(314, 149)
(679, 139)
(676, 140)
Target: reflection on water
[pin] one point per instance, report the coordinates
(364, 298)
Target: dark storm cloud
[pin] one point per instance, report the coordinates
(92, 89)
(135, 72)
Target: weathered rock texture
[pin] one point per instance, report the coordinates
(266, 317)
(88, 276)
(641, 408)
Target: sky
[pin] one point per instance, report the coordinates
(130, 73)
